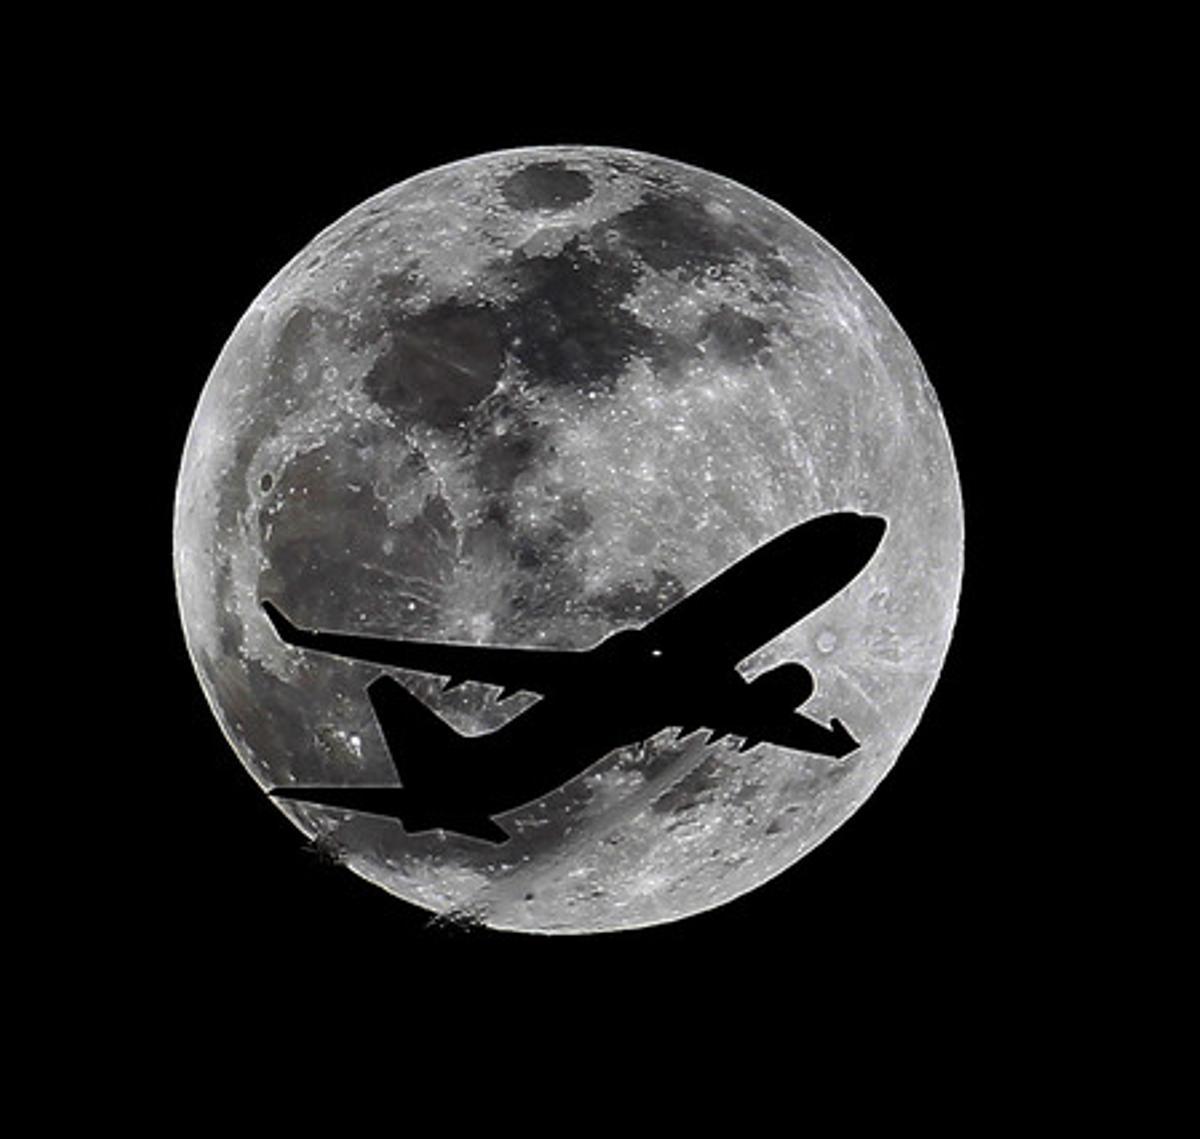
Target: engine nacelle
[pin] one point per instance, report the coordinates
(782, 689)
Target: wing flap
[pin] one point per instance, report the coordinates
(794, 731)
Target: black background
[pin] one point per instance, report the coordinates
(933, 892)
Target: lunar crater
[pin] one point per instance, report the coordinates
(546, 186)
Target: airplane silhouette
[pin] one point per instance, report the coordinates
(679, 670)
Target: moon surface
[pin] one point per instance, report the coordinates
(531, 398)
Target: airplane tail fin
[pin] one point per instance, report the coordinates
(429, 756)
(436, 793)
(424, 748)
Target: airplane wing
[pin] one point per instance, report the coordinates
(395, 803)
(769, 590)
(798, 732)
(541, 671)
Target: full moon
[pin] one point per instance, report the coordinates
(530, 399)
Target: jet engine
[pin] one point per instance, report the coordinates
(782, 689)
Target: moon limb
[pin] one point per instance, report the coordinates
(686, 440)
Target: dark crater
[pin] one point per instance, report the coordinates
(490, 538)
(502, 459)
(573, 516)
(546, 546)
(533, 553)
(736, 337)
(674, 231)
(546, 186)
(439, 364)
(566, 325)
(677, 233)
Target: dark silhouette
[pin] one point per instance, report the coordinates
(680, 670)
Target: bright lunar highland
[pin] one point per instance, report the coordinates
(532, 398)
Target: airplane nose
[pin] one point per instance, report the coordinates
(859, 533)
(869, 532)
(874, 526)
(845, 542)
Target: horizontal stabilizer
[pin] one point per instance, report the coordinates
(841, 742)
(796, 732)
(799, 733)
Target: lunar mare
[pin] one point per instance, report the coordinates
(531, 398)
